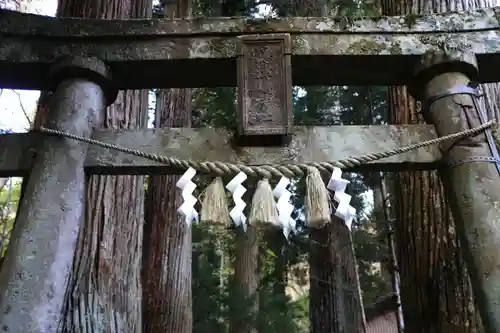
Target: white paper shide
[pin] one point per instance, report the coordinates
(237, 190)
(189, 200)
(285, 208)
(338, 185)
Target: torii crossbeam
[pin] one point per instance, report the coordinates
(324, 51)
(437, 55)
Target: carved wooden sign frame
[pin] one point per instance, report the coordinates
(264, 85)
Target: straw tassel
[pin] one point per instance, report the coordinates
(214, 207)
(263, 210)
(316, 202)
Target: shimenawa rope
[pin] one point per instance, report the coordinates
(269, 170)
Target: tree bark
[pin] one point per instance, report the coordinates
(381, 225)
(335, 305)
(167, 257)
(244, 292)
(105, 290)
(472, 191)
(41, 110)
(435, 287)
(38, 264)
(273, 315)
(244, 289)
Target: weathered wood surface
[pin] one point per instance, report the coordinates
(37, 266)
(264, 85)
(472, 189)
(309, 144)
(142, 54)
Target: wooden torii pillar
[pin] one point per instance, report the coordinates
(471, 176)
(38, 262)
(317, 45)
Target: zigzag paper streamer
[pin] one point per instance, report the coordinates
(344, 210)
(235, 187)
(285, 208)
(187, 187)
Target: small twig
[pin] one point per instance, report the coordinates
(22, 108)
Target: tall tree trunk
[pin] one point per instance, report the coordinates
(104, 294)
(167, 258)
(335, 304)
(274, 311)
(41, 110)
(373, 180)
(276, 242)
(435, 288)
(244, 291)
(244, 287)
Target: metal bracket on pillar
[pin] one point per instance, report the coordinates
(265, 115)
(470, 178)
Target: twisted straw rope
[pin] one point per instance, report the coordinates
(269, 170)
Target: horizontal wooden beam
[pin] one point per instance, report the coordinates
(325, 51)
(318, 144)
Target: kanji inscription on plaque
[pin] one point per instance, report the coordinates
(264, 85)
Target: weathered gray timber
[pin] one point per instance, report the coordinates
(264, 86)
(38, 263)
(316, 144)
(472, 188)
(142, 54)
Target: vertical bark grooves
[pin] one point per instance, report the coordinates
(38, 264)
(381, 220)
(246, 281)
(334, 303)
(334, 299)
(168, 253)
(435, 288)
(105, 291)
(107, 284)
(279, 247)
(41, 110)
(167, 282)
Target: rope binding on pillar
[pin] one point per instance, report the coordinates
(471, 90)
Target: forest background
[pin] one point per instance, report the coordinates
(279, 289)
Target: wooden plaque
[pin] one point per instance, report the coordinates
(264, 85)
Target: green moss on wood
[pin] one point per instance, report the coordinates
(366, 46)
(299, 43)
(267, 25)
(222, 46)
(19, 24)
(410, 20)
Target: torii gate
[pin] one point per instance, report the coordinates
(437, 56)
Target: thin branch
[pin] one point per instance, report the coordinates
(23, 109)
